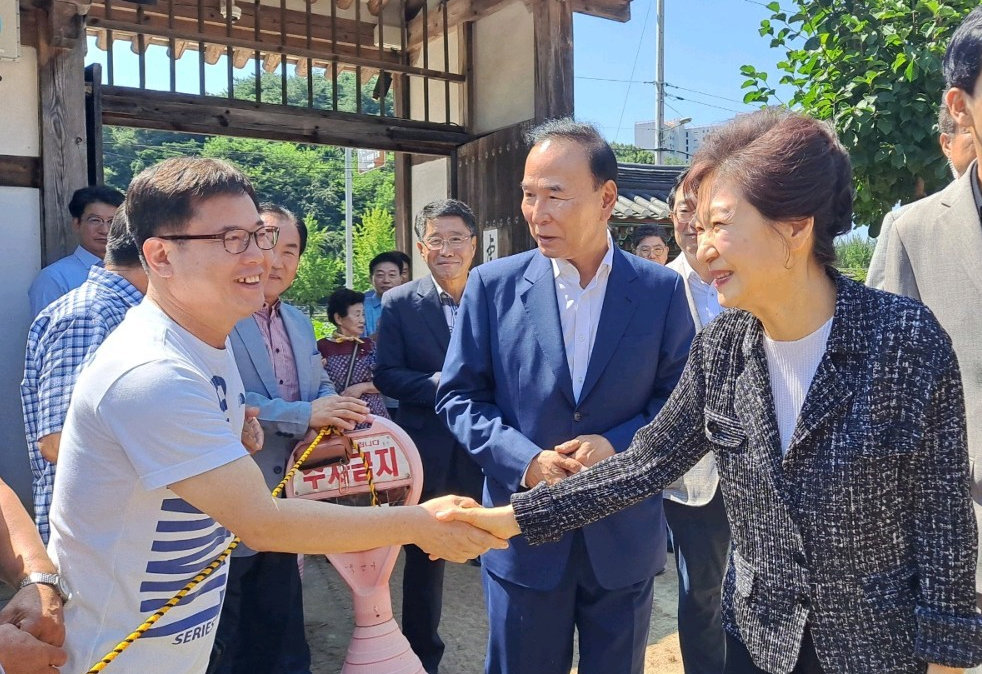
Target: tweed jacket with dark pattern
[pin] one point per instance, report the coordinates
(864, 529)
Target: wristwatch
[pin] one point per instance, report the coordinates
(52, 579)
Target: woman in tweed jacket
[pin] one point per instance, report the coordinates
(853, 532)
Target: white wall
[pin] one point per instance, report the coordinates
(504, 69)
(429, 183)
(20, 220)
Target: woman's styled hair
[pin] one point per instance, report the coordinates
(788, 166)
(340, 301)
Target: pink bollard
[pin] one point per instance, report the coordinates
(377, 646)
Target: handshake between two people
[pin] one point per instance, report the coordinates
(494, 526)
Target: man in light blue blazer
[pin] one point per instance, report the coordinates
(558, 356)
(261, 627)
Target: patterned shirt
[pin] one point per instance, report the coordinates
(61, 341)
(270, 322)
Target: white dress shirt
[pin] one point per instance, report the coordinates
(698, 486)
(701, 295)
(579, 312)
(579, 315)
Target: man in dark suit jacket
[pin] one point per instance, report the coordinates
(558, 356)
(261, 627)
(414, 331)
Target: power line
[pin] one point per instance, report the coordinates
(620, 120)
(703, 93)
(708, 105)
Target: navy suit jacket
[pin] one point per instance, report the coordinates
(506, 393)
(284, 423)
(412, 343)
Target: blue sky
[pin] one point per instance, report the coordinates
(706, 42)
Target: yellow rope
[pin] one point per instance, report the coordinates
(208, 570)
(370, 475)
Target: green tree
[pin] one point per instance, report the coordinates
(632, 154)
(853, 254)
(373, 235)
(319, 271)
(297, 92)
(873, 69)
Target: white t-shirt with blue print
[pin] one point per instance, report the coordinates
(155, 406)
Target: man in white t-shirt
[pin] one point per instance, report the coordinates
(153, 475)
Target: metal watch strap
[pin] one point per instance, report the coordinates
(52, 579)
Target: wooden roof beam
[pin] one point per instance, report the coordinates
(460, 11)
(345, 31)
(615, 10)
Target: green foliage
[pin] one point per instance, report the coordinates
(319, 271)
(375, 234)
(297, 92)
(873, 69)
(632, 154)
(853, 255)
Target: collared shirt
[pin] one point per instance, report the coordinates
(59, 277)
(61, 341)
(579, 312)
(449, 305)
(702, 295)
(976, 189)
(277, 342)
(373, 311)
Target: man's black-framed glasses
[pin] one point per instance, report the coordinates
(235, 240)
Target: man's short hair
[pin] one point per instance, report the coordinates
(963, 58)
(946, 124)
(286, 214)
(121, 249)
(163, 198)
(444, 208)
(390, 256)
(93, 194)
(644, 231)
(407, 262)
(675, 188)
(603, 163)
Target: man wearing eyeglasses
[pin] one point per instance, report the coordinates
(694, 504)
(414, 333)
(262, 627)
(153, 474)
(92, 209)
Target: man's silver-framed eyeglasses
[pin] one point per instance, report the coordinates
(454, 242)
(96, 221)
(648, 250)
(235, 240)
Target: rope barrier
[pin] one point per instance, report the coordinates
(208, 570)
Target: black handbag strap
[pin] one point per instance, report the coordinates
(351, 366)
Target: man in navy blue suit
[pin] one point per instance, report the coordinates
(414, 332)
(557, 357)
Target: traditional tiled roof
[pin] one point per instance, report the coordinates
(642, 191)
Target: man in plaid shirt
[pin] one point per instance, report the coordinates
(61, 341)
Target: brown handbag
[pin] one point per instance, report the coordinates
(333, 448)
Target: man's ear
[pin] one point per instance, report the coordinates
(608, 196)
(157, 256)
(959, 107)
(76, 224)
(944, 140)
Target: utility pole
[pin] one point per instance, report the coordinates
(349, 266)
(659, 80)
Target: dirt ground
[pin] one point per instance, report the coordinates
(327, 607)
